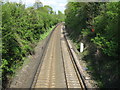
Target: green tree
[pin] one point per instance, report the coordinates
(96, 24)
(22, 28)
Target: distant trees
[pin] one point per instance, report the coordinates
(21, 30)
(38, 4)
(60, 16)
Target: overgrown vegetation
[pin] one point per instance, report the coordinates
(96, 25)
(22, 28)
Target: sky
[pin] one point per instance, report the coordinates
(55, 4)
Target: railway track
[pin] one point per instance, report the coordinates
(58, 68)
(75, 66)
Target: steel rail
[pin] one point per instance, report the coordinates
(78, 73)
(80, 78)
(63, 64)
(41, 58)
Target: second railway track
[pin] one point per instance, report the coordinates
(58, 69)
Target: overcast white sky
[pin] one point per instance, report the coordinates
(55, 4)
